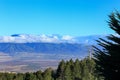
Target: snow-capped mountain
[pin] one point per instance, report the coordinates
(27, 38)
(47, 44)
(19, 43)
(26, 49)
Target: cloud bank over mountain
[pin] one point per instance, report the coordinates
(23, 38)
(26, 49)
(27, 38)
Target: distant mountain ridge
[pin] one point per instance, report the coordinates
(33, 52)
(60, 48)
(53, 44)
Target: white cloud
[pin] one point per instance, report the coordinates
(45, 38)
(8, 39)
(23, 38)
(67, 37)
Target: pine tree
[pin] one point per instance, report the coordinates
(39, 75)
(108, 58)
(47, 75)
(85, 71)
(77, 70)
(18, 76)
(67, 72)
(60, 70)
(9, 76)
(30, 76)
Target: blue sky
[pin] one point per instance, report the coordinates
(64, 17)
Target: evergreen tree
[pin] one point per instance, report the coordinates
(27, 76)
(108, 58)
(67, 72)
(60, 70)
(9, 76)
(3, 76)
(47, 75)
(39, 75)
(71, 65)
(76, 70)
(19, 76)
(30, 76)
(84, 70)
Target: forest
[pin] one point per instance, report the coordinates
(67, 70)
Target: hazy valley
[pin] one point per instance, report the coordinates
(23, 53)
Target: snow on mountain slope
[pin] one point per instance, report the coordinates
(24, 38)
(27, 38)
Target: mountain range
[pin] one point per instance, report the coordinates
(18, 43)
(47, 44)
(27, 38)
(19, 49)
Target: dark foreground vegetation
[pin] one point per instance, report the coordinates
(67, 70)
(108, 58)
